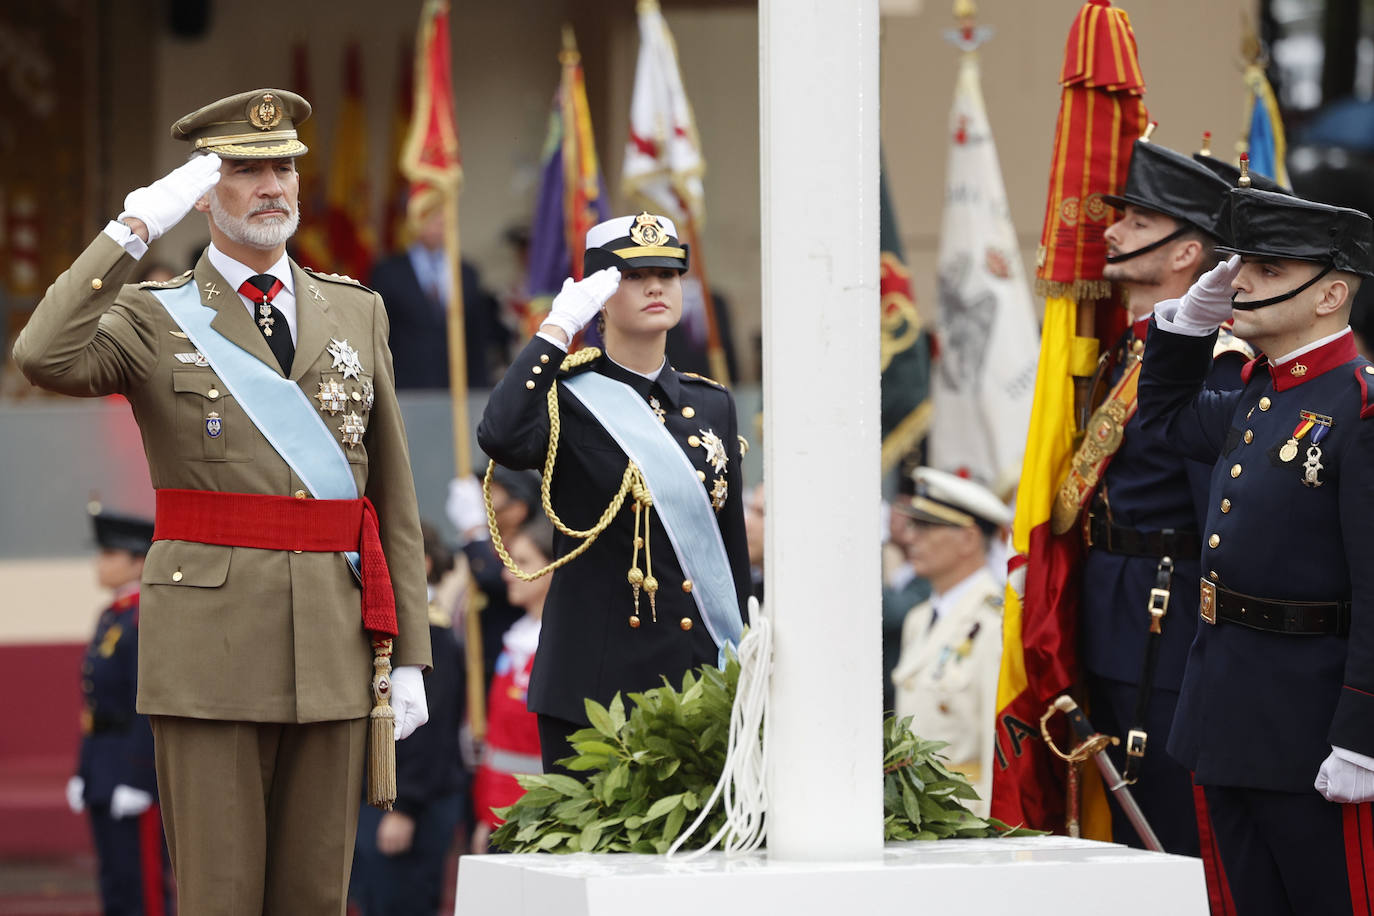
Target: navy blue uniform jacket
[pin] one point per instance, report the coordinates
(117, 743)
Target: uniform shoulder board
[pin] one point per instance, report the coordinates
(697, 377)
(1364, 375)
(333, 278)
(1228, 342)
(743, 445)
(165, 284)
(576, 362)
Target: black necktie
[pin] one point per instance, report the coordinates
(262, 289)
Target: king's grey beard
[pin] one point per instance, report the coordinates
(263, 234)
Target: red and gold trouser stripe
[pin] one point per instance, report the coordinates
(1218, 889)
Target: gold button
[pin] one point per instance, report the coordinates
(1213, 576)
(1225, 506)
(536, 370)
(687, 585)
(688, 412)
(1369, 370)
(299, 494)
(634, 621)
(357, 396)
(693, 441)
(1235, 470)
(176, 576)
(295, 551)
(1214, 540)
(1264, 403)
(544, 358)
(530, 384)
(212, 393)
(701, 475)
(1249, 436)
(97, 283)
(685, 623)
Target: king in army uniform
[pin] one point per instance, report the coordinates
(1276, 713)
(642, 468)
(264, 395)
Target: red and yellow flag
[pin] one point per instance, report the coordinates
(310, 246)
(1101, 114)
(430, 159)
(352, 238)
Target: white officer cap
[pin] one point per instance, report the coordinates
(943, 498)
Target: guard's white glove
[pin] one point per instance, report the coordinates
(408, 700)
(76, 794)
(579, 301)
(1346, 777)
(467, 508)
(1206, 305)
(163, 203)
(126, 801)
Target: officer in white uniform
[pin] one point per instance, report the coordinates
(946, 678)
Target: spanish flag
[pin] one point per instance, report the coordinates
(348, 199)
(1101, 114)
(310, 246)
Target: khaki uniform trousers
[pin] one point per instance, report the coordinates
(260, 816)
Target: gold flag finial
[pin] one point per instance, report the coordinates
(569, 53)
(965, 10)
(1206, 143)
(1244, 180)
(1149, 131)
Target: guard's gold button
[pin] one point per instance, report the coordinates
(1213, 576)
(1214, 540)
(688, 412)
(1264, 403)
(299, 494)
(1249, 436)
(176, 576)
(1225, 506)
(685, 623)
(693, 441)
(1235, 470)
(530, 384)
(701, 475)
(212, 393)
(544, 358)
(687, 585)
(97, 283)
(536, 370)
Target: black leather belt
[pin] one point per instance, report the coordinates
(1293, 618)
(1169, 542)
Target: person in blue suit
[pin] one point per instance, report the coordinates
(115, 782)
(1276, 713)
(1145, 503)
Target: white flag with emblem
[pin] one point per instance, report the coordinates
(663, 162)
(988, 335)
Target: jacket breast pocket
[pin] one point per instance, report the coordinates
(187, 564)
(210, 424)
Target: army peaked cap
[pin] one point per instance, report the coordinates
(1167, 182)
(645, 240)
(122, 532)
(1266, 224)
(251, 125)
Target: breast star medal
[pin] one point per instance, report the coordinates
(352, 429)
(332, 396)
(720, 491)
(369, 394)
(715, 450)
(345, 358)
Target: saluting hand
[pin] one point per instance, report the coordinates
(162, 204)
(1207, 304)
(580, 300)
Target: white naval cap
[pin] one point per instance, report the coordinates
(646, 240)
(943, 498)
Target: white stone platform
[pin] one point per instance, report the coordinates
(1032, 875)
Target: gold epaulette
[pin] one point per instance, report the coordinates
(580, 358)
(1228, 342)
(696, 376)
(165, 284)
(333, 278)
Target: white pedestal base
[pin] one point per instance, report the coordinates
(1050, 875)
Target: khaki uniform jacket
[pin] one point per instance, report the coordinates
(232, 632)
(946, 678)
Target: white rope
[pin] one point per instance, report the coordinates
(741, 784)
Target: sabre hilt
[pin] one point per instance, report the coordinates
(1089, 741)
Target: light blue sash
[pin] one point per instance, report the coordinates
(682, 504)
(275, 405)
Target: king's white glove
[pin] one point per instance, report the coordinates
(579, 301)
(408, 700)
(1346, 777)
(126, 801)
(76, 794)
(163, 203)
(1206, 305)
(467, 508)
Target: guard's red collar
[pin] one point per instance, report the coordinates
(1308, 366)
(125, 601)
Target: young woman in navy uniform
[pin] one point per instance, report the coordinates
(115, 781)
(621, 615)
(1276, 713)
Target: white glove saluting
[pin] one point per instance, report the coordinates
(1206, 305)
(579, 301)
(163, 203)
(408, 700)
(1346, 777)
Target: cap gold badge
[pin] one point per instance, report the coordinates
(264, 113)
(646, 231)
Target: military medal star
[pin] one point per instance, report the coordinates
(345, 358)
(352, 429)
(332, 396)
(715, 450)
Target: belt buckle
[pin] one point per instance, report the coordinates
(1207, 603)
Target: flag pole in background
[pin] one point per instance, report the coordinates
(1101, 114)
(1264, 138)
(984, 377)
(663, 165)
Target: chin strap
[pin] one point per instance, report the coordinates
(1118, 258)
(1250, 306)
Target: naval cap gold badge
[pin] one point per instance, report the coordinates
(647, 231)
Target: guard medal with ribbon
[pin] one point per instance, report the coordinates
(1318, 424)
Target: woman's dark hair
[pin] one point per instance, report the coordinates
(540, 532)
(437, 552)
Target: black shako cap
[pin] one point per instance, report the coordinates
(1231, 175)
(123, 532)
(1266, 224)
(1167, 182)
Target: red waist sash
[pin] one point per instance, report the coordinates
(283, 523)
